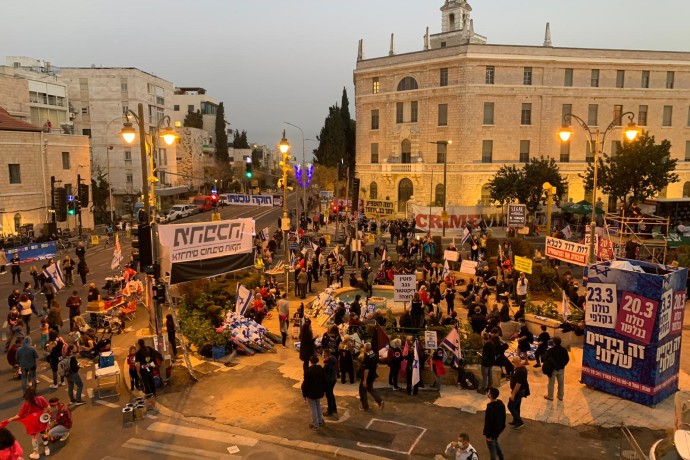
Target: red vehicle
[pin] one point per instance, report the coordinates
(204, 203)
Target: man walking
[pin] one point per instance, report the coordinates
(330, 370)
(488, 360)
(368, 376)
(73, 377)
(558, 358)
(519, 389)
(313, 390)
(494, 423)
(74, 304)
(26, 359)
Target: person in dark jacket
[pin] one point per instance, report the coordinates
(313, 388)
(478, 320)
(494, 423)
(395, 358)
(345, 361)
(542, 345)
(26, 358)
(519, 389)
(367, 377)
(488, 360)
(306, 344)
(330, 370)
(558, 358)
(504, 312)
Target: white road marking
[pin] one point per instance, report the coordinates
(175, 451)
(46, 378)
(414, 444)
(210, 435)
(108, 404)
(89, 375)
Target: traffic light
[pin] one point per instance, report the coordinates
(83, 195)
(60, 197)
(214, 198)
(248, 165)
(77, 205)
(159, 293)
(71, 205)
(335, 208)
(141, 245)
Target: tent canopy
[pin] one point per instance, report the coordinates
(583, 207)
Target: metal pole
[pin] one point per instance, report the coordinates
(284, 223)
(144, 162)
(337, 194)
(592, 225)
(549, 202)
(304, 166)
(431, 200)
(79, 201)
(52, 205)
(110, 187)
(445, 168)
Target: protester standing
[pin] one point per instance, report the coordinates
(283, 316)
(330, 370)
(488, 360)
(494, 423)
(542, 345)
(395, 358)
(146, 363)
(519, 387)
(54, 348)
(26, 357)
(558, 358)
(306, 342)
(170, 327)
(345, 360)
(28, 416)
(74, 304)
(73, 377)
(83, 270)
(368, 376)
(15, 268)
(313, 390)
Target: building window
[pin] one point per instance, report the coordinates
(375, 85)
(568, 79)
(439, 195)
(670, 77)
(373, 191)
(620, 78)
(527, 76)
(566, 110)
(524, 151)
(668, 115)
(399, 112)
(594, 80)
(593, 115)
(374, 119)
(125, 109)
(414, 110)
(15, 174)
(65, 160)
(128, 155)
(443, 44)
(17, 222)
(190, 108)
(642, 116)
(686, 190)
(86, 132)
(443, 79)
(565, 152)
(176, 107)
(488, 113)
(487, 151)
(84, 110)
(441, 150)
(130, 179)
(687, 150)
(374, 152)
(485, 199)
(443, 114)
(617, 114)
(526, 117)
(490, 73)
(407, 84)
(405, 191)
(406, 151)
(589, 153)
(645, 79)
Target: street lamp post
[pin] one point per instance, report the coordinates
(445, 171)
(549, 191)
(597, 140)
(284, 148)
(304, 168)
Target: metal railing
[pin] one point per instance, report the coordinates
(629, 448)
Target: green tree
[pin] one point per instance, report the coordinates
(332, 139)
(193, 120)
(100, 193)
(350, 132)
(222, 157)
(239, 140)
(639, 170)
(257, 155)
(525, 185)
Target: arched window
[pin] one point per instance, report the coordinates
(452, 21)
(373, 191)
(407, 84)
(439, 195)
(686, 190)
(405, 191)
(406, 151)
(17, 222)
(486, 195)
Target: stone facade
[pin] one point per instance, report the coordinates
(193, 99)
(560, 79)
(195, 157)
(40, 156)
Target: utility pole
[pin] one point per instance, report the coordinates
(79, 200)
(53, 220)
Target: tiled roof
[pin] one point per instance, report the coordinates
(9, 123)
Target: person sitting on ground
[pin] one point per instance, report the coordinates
(451, 320)
(61, 422)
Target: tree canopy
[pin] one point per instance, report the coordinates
(100, 193)
(193, 120)
(222, 156)
(239, 140)
(337, 136)
(525, 185)
(640, 169)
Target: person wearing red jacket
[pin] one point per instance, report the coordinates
(29, 415)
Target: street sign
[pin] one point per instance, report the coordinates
(404, 286)
(517, 215)
(215, 217)
(214, 192)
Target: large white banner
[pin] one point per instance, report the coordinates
(204, 240)
(249, 200)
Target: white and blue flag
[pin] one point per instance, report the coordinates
(415, 365)
(243, 299)
(54, 276)
(452, 343)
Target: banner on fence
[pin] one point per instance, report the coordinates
(377, 209)
(31, 252)
(458, 216)
(567, 251)
(249, 200)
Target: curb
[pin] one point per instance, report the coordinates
(329, 450)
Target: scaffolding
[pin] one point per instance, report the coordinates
(649, 233)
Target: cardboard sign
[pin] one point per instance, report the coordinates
(567, 251)
(356, 245)
(469, 267)
(523, 264)
(517, 215)
(430, 340)
(379, 208)
(404, 287)
(602, 305)
(451, 256)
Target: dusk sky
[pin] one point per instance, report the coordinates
(272, 61)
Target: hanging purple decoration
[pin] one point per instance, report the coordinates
(298, 174)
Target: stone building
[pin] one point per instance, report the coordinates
(28, 158)
(503, 104)
(191, 99)
(195, 161)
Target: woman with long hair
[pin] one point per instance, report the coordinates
(9, 447)
(29, 415)
(306, 344)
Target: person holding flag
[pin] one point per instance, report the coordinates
(117, 254)
(413, 367)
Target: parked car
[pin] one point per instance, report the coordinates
(675, 447)
(178, 212)
(163, 217)
(192, 209)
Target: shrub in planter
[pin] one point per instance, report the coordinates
(521, 247)
(492, 245)
(542, 279)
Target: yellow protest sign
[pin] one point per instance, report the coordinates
(94, 240)
(523, 264)
(379, 208)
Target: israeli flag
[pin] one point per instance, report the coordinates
(452, 342)
(242, 299)
(446, 270)
(465, 236)
(314, 246)
(292, 259)
(415, 365)
(53, 274)
(566, 307)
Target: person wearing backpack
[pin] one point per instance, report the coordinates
(57, 348)
(61, 423)
(494, 423)
(525, 339)
(70, 369)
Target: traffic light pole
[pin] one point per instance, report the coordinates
(79, 201)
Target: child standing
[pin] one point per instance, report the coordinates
(133, 376)
(44, 333)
